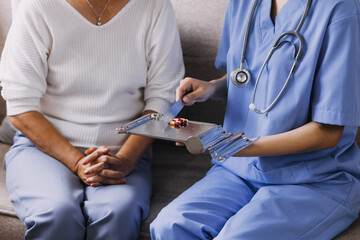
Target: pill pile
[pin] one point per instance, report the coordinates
(178, 122)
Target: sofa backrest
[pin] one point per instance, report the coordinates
(200, 26)
(5, 20)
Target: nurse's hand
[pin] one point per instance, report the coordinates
(193, 90)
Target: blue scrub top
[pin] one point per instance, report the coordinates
(325, 86)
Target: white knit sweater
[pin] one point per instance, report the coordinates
(86, 79)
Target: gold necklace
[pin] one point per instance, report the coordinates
(98, 16)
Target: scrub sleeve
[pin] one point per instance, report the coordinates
(336, 90)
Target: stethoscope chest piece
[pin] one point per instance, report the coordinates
(240, 77)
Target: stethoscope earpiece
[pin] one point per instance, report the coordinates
(240, 77)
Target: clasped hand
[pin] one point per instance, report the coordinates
(100, 167)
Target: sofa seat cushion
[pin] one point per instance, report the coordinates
(11, 228)
(7, 131)
(5, 204)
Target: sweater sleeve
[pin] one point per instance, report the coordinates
(23, 67)
(164, 59)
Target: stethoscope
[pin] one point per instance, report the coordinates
(241, 76)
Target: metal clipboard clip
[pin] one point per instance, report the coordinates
(139, 121)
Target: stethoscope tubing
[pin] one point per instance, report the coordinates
(297, 55)
(246, 38)
(278, 42)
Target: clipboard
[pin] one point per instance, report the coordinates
(198, 137)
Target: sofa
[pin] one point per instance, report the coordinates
(174, 169)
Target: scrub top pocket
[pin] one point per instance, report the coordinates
(294, 174)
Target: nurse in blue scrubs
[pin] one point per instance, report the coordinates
(301, 179)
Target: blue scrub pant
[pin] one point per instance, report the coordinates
(54, 204)
(225, 206)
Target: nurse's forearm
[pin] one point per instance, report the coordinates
(312, 136)
(220, 88)
(47, 138)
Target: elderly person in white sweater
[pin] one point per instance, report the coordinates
(72, 71)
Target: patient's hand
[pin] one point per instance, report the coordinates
(104, 168)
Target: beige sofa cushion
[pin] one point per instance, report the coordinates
(5, 20)
(200, 35)
(7, 131)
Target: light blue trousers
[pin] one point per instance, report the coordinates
(54, 204)
(225, 206)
